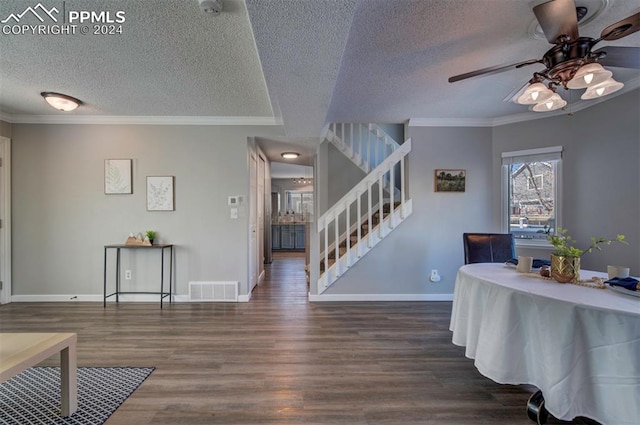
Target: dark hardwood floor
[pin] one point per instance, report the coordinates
(281, 360)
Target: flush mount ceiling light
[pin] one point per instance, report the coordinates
(290, 155)
(61, 102)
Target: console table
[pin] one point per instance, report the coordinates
(161, 248)
(580, 346)
(20, 351)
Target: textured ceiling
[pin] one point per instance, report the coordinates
(301, 63)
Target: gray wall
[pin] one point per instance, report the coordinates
(431, 238)
(601, 174)
(601, 196)
(62, 218)
(5, 129)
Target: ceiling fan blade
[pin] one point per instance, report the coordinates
(492, 70)
(557, 18)
(623, 57)
(622, 28)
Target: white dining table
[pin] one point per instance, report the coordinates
(580, 346)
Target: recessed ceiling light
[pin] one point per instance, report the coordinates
(290, 155)
(61, 102)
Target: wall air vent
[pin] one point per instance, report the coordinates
(213, 291)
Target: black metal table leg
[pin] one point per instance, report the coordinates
(536, 410)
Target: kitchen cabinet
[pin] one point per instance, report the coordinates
(288, 237)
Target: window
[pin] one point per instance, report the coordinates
(531, 193)
(299, 202)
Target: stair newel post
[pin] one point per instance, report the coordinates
(402, 194)
(380, 205)
(359, 224)
(336, 242)
(369, 209)
(391, 191)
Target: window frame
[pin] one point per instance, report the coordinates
(552, 154)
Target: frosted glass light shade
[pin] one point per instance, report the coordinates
(61, 102)
(589, 75)
(551, 104)
(607, 87)
(535, 93)
(290, 155)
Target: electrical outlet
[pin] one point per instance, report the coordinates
(127, 274)
(435, 277)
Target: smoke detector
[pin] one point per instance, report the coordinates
(213, 7)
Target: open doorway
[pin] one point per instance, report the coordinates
(292, 189)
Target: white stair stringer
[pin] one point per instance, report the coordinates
(341, 217)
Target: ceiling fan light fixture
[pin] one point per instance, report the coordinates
(535, 93)
(551, 104)
(607, 87)
(589, 75)
(61, 102)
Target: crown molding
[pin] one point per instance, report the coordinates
(138, 120)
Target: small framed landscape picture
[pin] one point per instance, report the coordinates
(160, 193)
(117, 177)
(450, 180)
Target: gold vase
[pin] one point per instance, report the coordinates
(565, 269)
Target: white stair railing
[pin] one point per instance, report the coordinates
(359, 207)
(367, 145)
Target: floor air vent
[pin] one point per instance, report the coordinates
(213, 291)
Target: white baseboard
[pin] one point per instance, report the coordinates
(380, 297)
(139, 298)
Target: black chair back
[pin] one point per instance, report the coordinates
(488, 247)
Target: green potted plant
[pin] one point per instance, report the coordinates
(151, 235)
(565, 260)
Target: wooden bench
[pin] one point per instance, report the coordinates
(20, 351)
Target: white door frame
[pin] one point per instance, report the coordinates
(5, 216)
(253, 241)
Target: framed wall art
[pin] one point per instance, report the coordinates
(117, 176)
(160, 193)
(450, 180)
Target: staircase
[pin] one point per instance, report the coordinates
(372, 209)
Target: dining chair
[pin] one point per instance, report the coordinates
(488, 247)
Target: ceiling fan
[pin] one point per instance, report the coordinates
(570, 63)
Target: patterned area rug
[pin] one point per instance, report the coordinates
(33, 397)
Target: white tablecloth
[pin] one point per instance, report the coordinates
(580, 346)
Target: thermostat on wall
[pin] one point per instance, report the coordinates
(235, 200)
